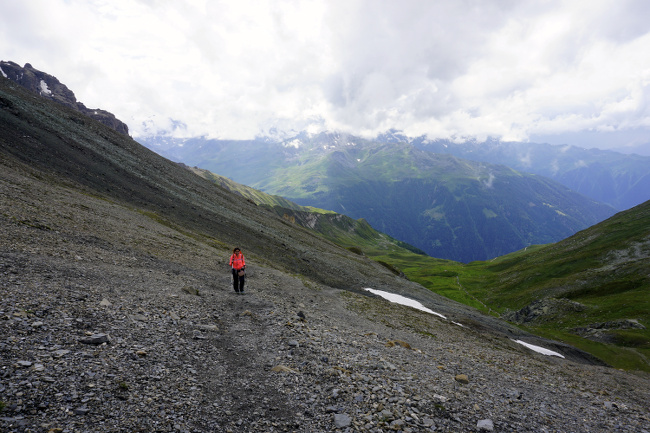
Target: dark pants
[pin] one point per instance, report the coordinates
(237, 281)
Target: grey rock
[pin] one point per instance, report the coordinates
(95, 339)
(105, 303)
(342, 420)
(485, 425)
(81, 411)
(31, 79)
(60, 353)
(191, 290)
(543, 310)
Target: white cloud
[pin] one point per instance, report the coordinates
(231, 68)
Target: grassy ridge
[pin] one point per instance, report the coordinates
(605, 269)
(338, 228)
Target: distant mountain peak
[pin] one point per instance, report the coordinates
(50, 87)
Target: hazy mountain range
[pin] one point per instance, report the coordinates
(449, 207)
(620, 180)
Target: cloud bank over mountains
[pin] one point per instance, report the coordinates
(516, 70)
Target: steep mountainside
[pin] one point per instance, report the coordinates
(450, 208)
(113, 166)
(595, 284)
(117, 312)
(339, 228)
(590, 290)
(622, 181)
(50, 87)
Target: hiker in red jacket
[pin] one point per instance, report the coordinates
(238, 264)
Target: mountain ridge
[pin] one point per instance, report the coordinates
(50, 87)
(620, 180)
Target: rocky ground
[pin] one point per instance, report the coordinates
(113, 322)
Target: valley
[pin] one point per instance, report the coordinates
(448, 207)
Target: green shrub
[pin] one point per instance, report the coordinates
(356, 250)
(390, 267)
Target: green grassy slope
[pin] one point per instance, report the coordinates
(595, 287)
(356, 235)
(254, 195)
(605, 269)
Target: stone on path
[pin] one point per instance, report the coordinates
(462, 378)
(105, 303)
(283, 369)
(95, 339)
(485, 425)
(342, 420)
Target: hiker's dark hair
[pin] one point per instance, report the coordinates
(236, 249)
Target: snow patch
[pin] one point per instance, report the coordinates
(538, 349)
(402, 300)
(3, 73)
(44, 89)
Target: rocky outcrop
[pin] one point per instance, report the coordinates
(619, 324)
(605, 332)
(544, 310)
(50, 87)
(551, 309)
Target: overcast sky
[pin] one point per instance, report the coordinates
(558, 71)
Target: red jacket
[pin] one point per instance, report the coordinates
(237, 261)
